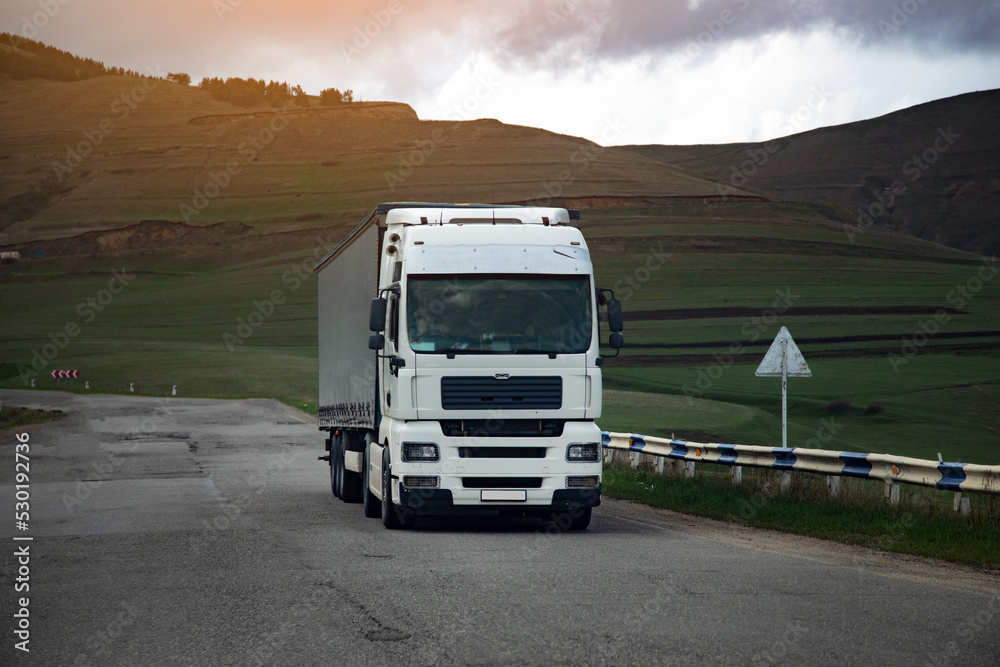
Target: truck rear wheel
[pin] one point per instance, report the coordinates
(334, 452)
(393, 516)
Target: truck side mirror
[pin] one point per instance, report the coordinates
(615, 320)
(376, 341)
(616, 340)
(376, 317)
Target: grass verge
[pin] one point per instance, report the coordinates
(15, 417)
(920, 526)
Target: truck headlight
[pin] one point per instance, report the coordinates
(420, 451)
(588, 452)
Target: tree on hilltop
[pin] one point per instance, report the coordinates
(277, 93)
(301, 97)
(330, 97)
(180, 77)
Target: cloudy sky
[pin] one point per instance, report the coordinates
(614, 71)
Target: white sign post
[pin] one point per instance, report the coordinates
(784, 360)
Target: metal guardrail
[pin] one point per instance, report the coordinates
(893, 470)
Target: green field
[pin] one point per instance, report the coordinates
(224, 304)
(219, 330)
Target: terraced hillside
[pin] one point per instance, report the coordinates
(932, 170)
(178, 251)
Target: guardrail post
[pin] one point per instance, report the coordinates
(892, 493)
(833, 485)
(131, 386)
(689, 469)
(737, 473)
(659, 464)
(786, 481)
(635, 459)
(961, 504)
(174, 391)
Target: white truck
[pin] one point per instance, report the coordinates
(460, 363)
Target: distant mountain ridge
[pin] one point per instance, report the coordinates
(932, 170)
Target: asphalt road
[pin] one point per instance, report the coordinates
(185, 531)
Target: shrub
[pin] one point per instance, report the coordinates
(874, 409)
(836, 407)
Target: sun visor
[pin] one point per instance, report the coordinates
(552, 260)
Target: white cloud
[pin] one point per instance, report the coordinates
(675, 73)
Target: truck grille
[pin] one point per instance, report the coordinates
(501, 452)
(516, 393)
(502, 482)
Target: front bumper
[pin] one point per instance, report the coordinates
(540, 482)
(562, 500)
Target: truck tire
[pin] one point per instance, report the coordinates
(350, 481)
(394, 517)
(339, 463)
(581, 521)
(372, 508)
(333, 465)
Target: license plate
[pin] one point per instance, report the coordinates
(503, 495)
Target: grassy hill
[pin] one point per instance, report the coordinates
(932, 170)
(188, 219)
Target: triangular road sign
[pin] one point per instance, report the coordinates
(784, 358)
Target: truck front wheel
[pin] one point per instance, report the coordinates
(372, 507)
(581, 521)
(393, 516)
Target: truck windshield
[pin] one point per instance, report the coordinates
(499, 314)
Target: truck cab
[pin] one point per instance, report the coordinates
(485, 340)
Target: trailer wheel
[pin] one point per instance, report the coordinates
(393, 516)
(340, 465)
(371, 505)
(333, 465)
